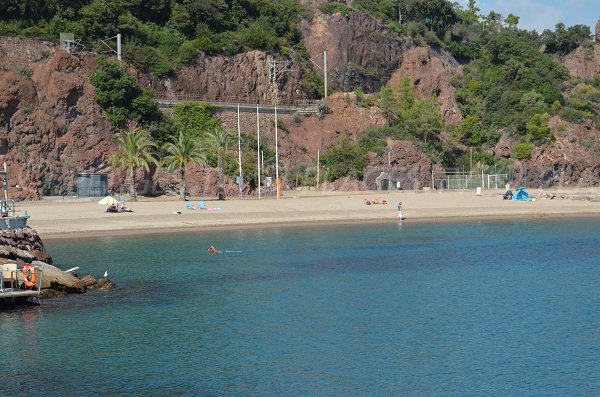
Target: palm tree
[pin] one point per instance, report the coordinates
(136, 150)
(219, 141)
(181, 151)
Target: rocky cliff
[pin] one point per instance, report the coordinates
(242, 77)
(50, 125)
(584, 62)
(51, 128)
(431, 72)
(361, 51)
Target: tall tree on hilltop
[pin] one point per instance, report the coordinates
(135, 150)
(182, 150)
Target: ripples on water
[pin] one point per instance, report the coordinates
(509, 308)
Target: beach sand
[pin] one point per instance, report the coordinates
(79, 219)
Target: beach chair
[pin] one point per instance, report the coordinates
(189, 205)
(201, 205)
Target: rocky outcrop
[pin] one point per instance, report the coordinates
(431, 72)
(361, 51)
(303, 137)
(57, 279)
(584, 62)
(571, 160)
(23, 244)
(405, 164)
(243, 77)
(50, 125)
(20, 246)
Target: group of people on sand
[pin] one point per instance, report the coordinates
(119, 207)
(374, 201)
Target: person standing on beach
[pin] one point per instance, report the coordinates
(400, 211)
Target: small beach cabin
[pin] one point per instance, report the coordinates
(92, 185)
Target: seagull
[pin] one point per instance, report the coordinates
(106, 273)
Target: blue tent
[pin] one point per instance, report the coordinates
(521, 194)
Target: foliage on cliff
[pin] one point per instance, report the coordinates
(120, 96)
(160, 35)
(511, 81)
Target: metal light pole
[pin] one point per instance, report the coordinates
(277, 180)
(239, 148)
(318, 166)
(258, 148)
(325, 71)
(5, 182)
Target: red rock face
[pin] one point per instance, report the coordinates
(50, 126)
(431, 73)
(242, 77)
(571, 160)
(361, 51)
(584, 62)
(406, 164)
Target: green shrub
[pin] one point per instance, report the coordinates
(538, 130)
(575, 115)
(23, 71)
(555, 107)
(313, 85)
(345, 159)
(119, 95)
(522, 151)
(332, 8)
(468, 159)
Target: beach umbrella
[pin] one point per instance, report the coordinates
(108, 200)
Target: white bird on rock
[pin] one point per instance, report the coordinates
(106, 273)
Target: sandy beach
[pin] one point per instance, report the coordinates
(78, 218)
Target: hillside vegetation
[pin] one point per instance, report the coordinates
(511, 82)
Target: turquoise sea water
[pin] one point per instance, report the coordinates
(474, 309)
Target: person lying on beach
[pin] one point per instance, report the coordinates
(213, 250)
(124, 208)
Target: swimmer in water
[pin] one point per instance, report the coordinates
(213, 250)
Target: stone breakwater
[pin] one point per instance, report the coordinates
(26, 246)
(23, 244)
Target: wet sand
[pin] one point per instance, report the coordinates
(77, 218)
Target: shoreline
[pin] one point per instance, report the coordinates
(431, 220)
(56, 220)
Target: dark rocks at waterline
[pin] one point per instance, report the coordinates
(57, 279)
(102, 283)
(23, 244)
(105, 283)
(63, 282)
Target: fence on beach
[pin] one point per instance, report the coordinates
(467, 180)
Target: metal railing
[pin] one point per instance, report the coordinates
(9, 274)
(6, 207)
(234, 100)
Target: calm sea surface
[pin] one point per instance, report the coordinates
(474, 309)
